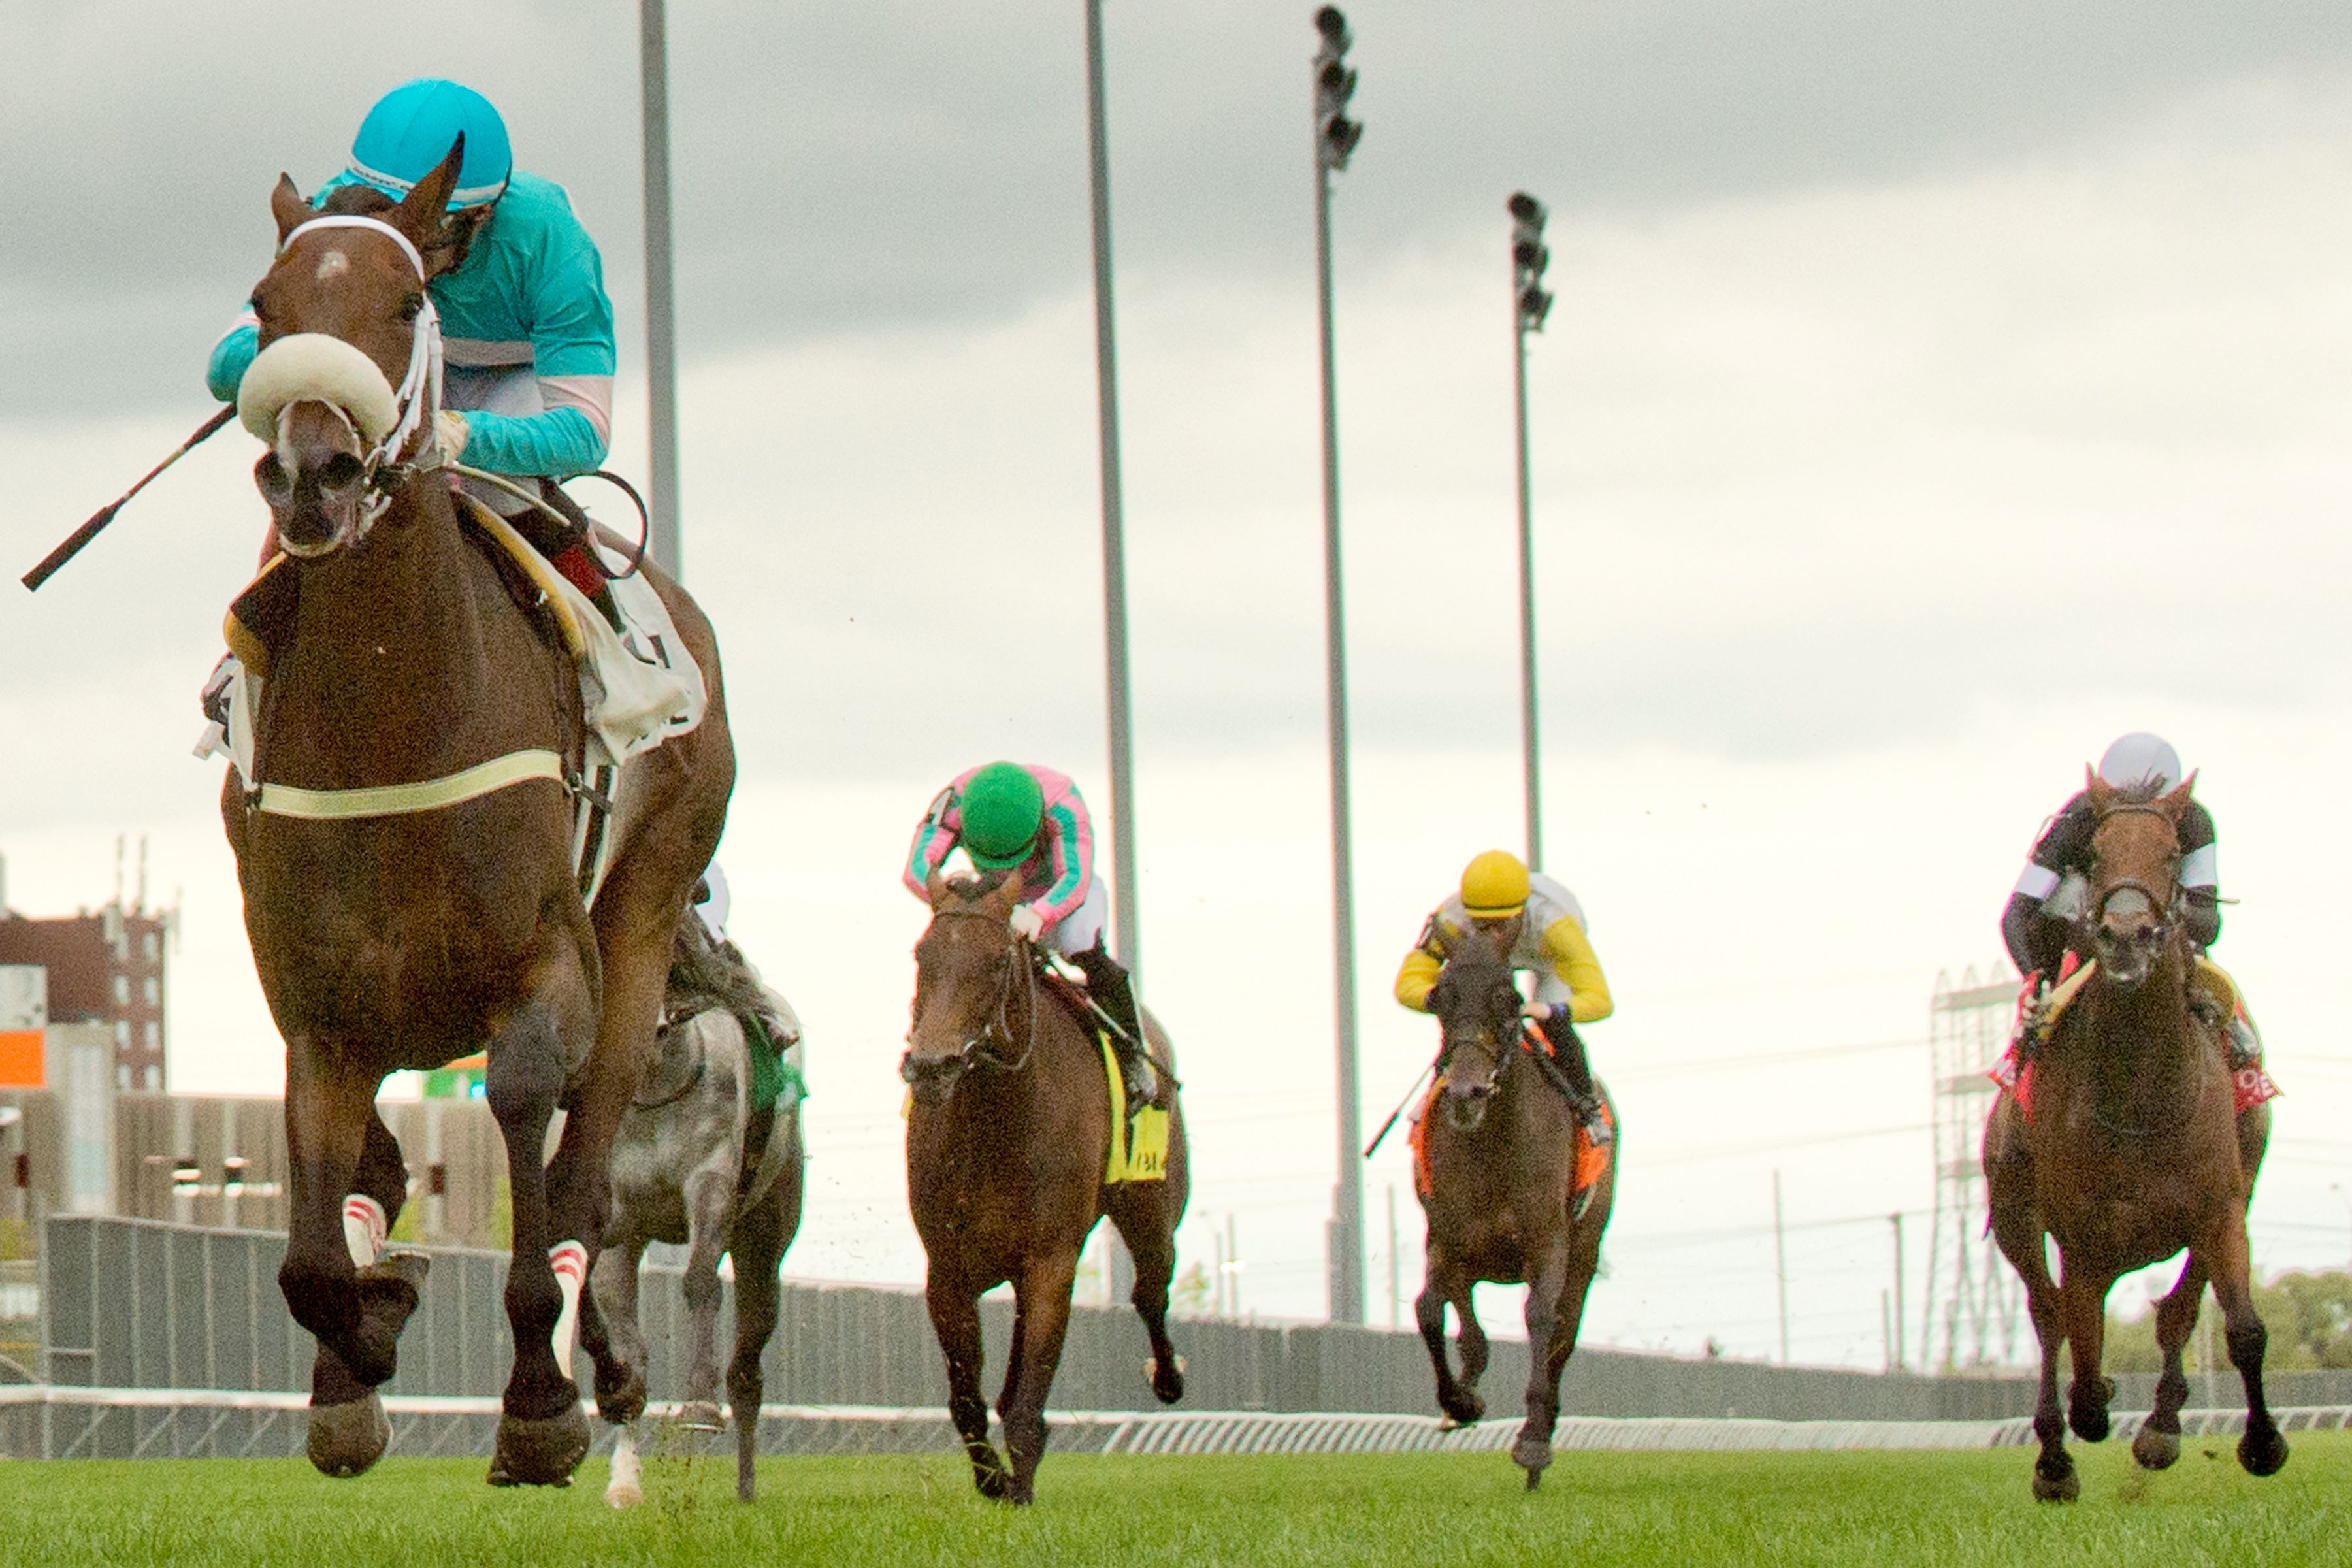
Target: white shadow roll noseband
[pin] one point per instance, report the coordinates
(316, 367)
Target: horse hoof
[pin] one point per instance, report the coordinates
(2063, 1488)
(1167, 1384)
(1447, 1424)
(700, 1416)
(2089, 1422)
(2263, 1455)
(2155, 1450)
(1535, 1479)
(541, 1453)
(621, 1400)
(1532, 1455)
(347, 1439)
(989, 1475)
(1463, 1410)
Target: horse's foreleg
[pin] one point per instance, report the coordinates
(1471, 1337)
(2158, 1443)
(708, 1193)
(2083, 1303)
(1041, 1317)
(1546, 1281)
(1143, 1224)
(2261, 1450)
(955, 1319)
(758, 1246)
(542, 1435)
(327, 1110)
(1460, 1407)
(2017, 1230)
(621, 1372)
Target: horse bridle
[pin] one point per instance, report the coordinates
(2170, 906)
(976, 1049)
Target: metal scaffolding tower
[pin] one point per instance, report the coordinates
(1974, 1302)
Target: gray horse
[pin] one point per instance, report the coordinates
(701, 1161)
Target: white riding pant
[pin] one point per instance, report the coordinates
(1550, 987)
(1082, 926)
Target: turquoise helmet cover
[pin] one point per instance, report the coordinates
(412, 128)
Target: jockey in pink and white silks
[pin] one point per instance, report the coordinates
(1030, 821)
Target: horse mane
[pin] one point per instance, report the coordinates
(970, 887)
(704, 969)
(354, 200)
(2143, 792)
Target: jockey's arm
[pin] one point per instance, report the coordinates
(2037, 941)
(2201, 877)
(1417, 976)
(1069, 855)
(935, 836)
(1571, 954)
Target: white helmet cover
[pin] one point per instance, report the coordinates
(2140, 757)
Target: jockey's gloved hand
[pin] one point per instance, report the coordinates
(1539, 1011)
(451, 428)
(1027, 922)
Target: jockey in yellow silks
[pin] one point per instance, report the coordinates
(1544, 931)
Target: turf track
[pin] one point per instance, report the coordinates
(1881, 1510)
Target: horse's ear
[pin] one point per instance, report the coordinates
(424, 212)
(2102, 792)
(287, 205)
(935, 887)
(2173, 804)
(1002, 894)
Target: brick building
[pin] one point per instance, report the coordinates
(105, 966)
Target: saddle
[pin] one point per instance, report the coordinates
(2037, 1016)
(1591, 1160)
(1139, 1129)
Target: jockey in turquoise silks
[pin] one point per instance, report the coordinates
(527, 327)
(1029, 822)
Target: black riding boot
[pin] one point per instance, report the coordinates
(1568, 1054)
(1113, 993)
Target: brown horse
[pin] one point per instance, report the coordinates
(1007, 1142)
(404, 940)
(2133, 1152)
(1501, 1150)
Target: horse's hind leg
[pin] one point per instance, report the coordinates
(1143, 1225)
(758, 1244)
(708, 1193)
(2158, 1443)
(955, 1319)
(2262, 1450)
(621, 1366)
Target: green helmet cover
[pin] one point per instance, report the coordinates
(1001, 808)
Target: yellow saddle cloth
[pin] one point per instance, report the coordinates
(1138, 1139)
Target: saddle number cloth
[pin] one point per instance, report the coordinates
(1139, 1137)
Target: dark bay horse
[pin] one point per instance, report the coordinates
(1501, 1148)
(419, 925)
(2134, 1151)
(1007, 1140)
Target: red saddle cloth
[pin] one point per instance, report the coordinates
(1591, 1160)
(2250, 1084)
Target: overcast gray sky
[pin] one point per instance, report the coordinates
(1935, 391)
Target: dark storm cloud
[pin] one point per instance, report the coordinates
(875, 162)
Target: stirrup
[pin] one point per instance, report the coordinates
(1142, 1078)
(1597, 1130)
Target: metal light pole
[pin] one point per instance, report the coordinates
(1336, 136)
(661, 317)
(1127, 918)
(1529, 306)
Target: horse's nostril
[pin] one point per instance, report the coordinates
(276, 485)
(341, 472)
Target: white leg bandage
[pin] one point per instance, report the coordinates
(363, 1229)
(627, 1489)
(570, 1261)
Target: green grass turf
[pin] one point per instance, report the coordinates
(1881, 1510)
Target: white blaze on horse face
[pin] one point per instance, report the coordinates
(570, 1261)
(334, 264)
(363, 1229)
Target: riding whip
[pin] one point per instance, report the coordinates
(105, 514)
(1394, 1114)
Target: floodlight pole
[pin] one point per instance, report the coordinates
(1528, 746)
(1345, 1246)
(661, 318)
(1127, 917)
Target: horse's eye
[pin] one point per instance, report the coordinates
(411, 306)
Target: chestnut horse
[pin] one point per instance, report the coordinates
(2134, 1151)
(1501, 1147)
(402, 937)
(1008, 1136)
